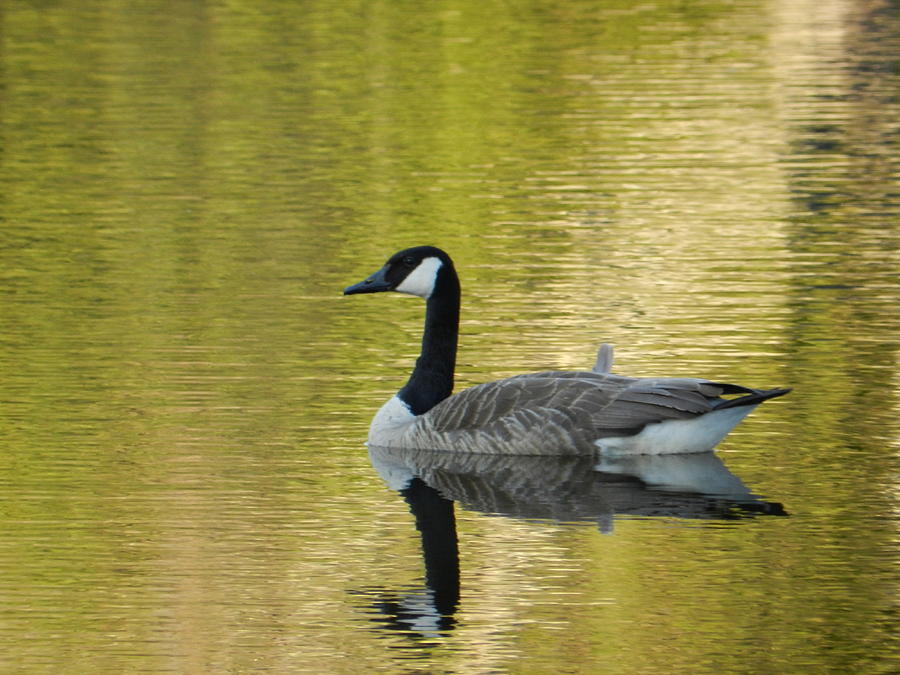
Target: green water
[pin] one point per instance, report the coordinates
(186, 187)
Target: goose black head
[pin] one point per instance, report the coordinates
(415, 271)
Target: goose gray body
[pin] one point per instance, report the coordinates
(552, 412)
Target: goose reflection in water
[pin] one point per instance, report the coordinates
(427, 612)
(560, 489)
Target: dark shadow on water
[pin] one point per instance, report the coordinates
(552, 488)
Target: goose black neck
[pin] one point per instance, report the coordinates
(432, 379)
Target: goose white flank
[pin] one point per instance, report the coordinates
(545, 413)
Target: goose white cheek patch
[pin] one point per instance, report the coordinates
(422, 279)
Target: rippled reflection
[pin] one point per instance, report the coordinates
(185, 187)
(572, 489)
(563, 490)
(427, 612)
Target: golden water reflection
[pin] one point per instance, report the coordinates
(186, 187)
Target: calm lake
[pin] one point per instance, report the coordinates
(186, 188)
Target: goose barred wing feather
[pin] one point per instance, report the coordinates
(568, 408)
(486, 403)
(526, 416)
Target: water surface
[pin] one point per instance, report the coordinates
(184, 190)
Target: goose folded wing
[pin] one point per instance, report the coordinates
(649, 401)
(524, 398)
(599, 405)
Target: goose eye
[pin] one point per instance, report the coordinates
(409, 261)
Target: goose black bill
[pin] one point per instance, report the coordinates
(377, 283)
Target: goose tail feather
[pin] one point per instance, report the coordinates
(755, 397)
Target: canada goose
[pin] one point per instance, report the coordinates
(547, 413)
